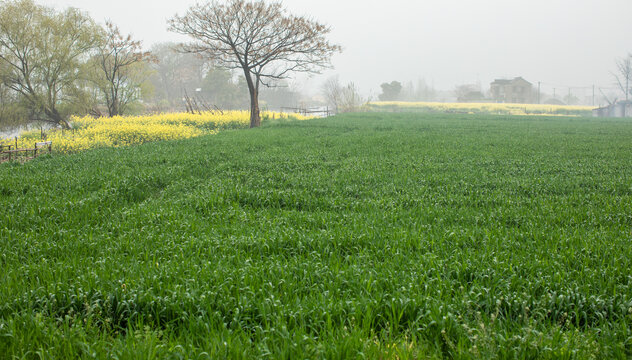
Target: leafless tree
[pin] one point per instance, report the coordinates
(624, 75)
(120, 62)
(259, 38)
(176, 72)
(343, 98)
(332, 91)
(350, 98)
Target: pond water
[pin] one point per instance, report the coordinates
(9, 132)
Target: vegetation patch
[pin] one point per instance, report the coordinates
(89, 132)
(480, 108)
(359, 236)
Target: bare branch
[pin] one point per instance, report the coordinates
(624, 75)
(257, 37)
(120, 61)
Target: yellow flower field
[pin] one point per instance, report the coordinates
(481, 108)
(89, 132)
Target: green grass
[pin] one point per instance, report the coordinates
(359, 236)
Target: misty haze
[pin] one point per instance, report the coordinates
(246, 179)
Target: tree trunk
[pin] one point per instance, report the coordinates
(112, 102)
(56, 118)
(253, 88)
(255, 114)
(114, 107)
(627, 95)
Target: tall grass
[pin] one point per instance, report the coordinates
(359, 236)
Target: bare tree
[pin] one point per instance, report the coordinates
(122, 69)
(332, 91)
(259, 38)
(176, 72)
(350, 98)
(624, 75)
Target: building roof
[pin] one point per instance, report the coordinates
(501, 82)
(508, 81)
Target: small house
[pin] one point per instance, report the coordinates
(517, 90)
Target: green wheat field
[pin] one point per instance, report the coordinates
(379, 236)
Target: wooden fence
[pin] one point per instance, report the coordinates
(13, 153)
(320, 112)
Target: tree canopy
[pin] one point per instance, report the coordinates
(390, 91)
(54, 64)
(43, 52)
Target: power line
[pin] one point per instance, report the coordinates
(573, 87)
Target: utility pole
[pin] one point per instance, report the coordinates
(539, 83)
(593, 102)
(627, 92)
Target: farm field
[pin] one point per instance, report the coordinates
(374, 235)
(480, 108)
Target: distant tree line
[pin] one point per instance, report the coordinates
(54, 64)
(177, 74)
(396, 91)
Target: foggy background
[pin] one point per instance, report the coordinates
(560, 43)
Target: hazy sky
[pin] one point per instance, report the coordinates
(448, 42)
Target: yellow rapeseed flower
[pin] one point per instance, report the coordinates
(482, 108)
(90, 133)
